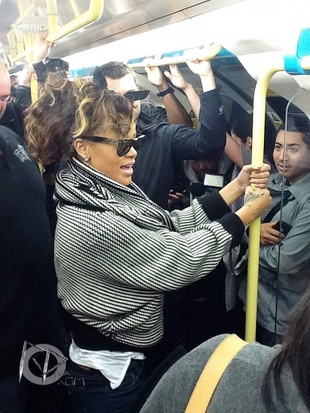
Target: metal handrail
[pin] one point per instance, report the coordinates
(206, 54)
(259, 109)
(93, 13)
(55, 33)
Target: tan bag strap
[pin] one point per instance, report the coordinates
(212, 373)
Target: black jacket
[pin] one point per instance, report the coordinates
(165, 144)
(28, 301)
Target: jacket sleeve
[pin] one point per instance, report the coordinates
(160, 260)
(213, 207)
(188, 143)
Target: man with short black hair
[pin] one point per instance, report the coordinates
(285, 232)
(166, 144)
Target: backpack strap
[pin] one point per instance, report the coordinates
(212, 373)
(287, 196)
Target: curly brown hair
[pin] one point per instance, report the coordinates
(66, 110)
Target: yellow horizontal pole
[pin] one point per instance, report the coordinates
(206, 54)
(259, 109)
(92, 14)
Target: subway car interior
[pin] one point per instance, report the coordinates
(259, 50)
(255, 37)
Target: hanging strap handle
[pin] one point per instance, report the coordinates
(212, 373)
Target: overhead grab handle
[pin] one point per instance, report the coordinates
(56, 33)
(207, 53)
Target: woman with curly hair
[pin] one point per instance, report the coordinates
(116, 251)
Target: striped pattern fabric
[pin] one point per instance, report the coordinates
(117, 252)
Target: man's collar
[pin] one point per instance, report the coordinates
(298, 189)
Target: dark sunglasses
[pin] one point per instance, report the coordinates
(136, 94)
(122, 146)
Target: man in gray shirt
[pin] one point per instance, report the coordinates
(285, 252)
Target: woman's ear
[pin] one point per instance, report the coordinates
(81, 149)
(249, 142)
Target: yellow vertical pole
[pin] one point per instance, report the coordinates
(75, 8)
(12, 43)
(259, 109)
(52, 15)
(29, 40)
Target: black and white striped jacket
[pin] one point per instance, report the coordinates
(117, 252)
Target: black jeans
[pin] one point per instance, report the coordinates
(90, 391)
(25, 397)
